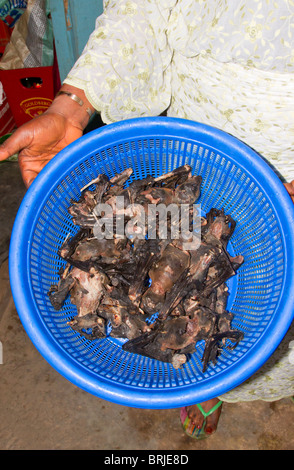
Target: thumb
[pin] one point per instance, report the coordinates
(290, 189)
(16, 142)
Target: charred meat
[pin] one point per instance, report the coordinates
(116, 282)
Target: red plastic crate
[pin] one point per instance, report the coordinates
(7, 123)
(5, 33)
(30, 91)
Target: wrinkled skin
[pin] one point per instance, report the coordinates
(119, 282)
(177, 335)
(38, 141)
(164, 274)
(146, 191)
(87, 290)
(92, 322)
(146, 253)
(59, 292)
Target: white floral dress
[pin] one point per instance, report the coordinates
(225, 63)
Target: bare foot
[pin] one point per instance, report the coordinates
(197, 417)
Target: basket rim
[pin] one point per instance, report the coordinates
(20, 249)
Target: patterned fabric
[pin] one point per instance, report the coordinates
(225, 63)
(273, 381)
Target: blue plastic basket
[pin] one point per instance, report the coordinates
(261, 294)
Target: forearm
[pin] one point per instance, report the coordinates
(77, 112)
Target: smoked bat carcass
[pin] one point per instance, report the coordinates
(117, 284)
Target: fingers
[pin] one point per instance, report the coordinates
(37, 142)
(290, 189)
(28, 177)
(16, 142)
(31, 167)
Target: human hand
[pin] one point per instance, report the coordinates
(40, 139)
(37, 142)
(290, 189)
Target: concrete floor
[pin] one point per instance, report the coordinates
(42, 410)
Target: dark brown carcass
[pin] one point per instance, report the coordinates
(116, 283)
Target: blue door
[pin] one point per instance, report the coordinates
(73, 22)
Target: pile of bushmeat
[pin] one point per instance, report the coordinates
(162, 293)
